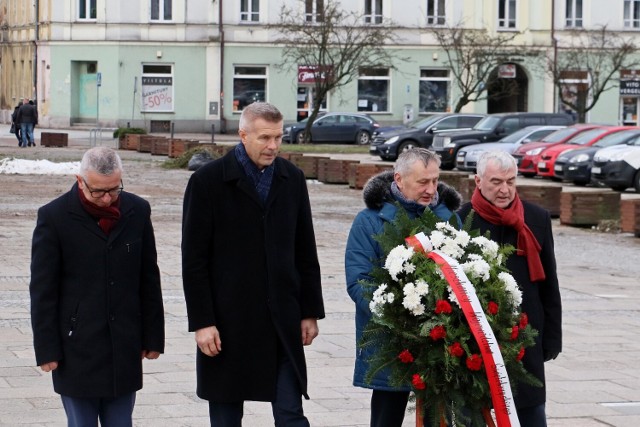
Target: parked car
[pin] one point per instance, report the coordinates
(468, 156)
(334, 127)
(575, 165)
(491, 129)
(546, 165)
(389, 145)
(618, 167)
(528, 155)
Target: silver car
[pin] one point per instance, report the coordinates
(467, 157)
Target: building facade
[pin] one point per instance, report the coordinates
(196, 63)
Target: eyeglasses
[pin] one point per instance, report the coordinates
(98, 194)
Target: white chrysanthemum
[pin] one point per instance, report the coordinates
(411, 300)
(390, 297)
(437, 239)
(499, 259)
(409, 267)
(422, 287)
(394, 263)
(418, 310)
(489, 247)
(452, 249)
(477, 269)
(446, 226)
(452, 296)
(462, 238)
(379, 299)
(512, 287)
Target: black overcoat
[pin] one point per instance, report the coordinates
(540, 300)
(251, 269)
(96, 300)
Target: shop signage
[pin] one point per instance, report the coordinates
(309, 73)
(630, 87)
(507, 71)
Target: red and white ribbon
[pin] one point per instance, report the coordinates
(465, 293)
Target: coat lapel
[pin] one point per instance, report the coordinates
(77, 213)
(232, 171)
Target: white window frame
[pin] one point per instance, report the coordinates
(386, 77)
(313, 13)
(436, 79)
(247, 13)
(373, 11)
(153, 100)
(87, 8)
(631, 6)
(439, 14)
(264, 76)
(161, 11)
(506, 22)
(572, 20)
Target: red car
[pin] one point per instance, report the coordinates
(528, 154)
(545, 166)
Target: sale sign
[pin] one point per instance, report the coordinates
(157, 94)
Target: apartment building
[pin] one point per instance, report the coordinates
(196, 63)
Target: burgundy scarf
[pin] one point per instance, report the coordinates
(513, 216)
(107, 217)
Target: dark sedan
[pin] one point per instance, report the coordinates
(575, 165)
(334, 127)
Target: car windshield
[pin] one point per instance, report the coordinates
(488, 123)
(516, 136)
(587, 136)
(424, 123)
(615, 138)
(559, 135)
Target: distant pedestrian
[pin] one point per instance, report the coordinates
(28, 118)
(16, 124)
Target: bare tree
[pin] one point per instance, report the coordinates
(473, 55)
(586, 64)
(336, 44)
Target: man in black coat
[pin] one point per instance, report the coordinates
(498, 209)
(251, 275)
(28, 118)
(96, 301)
(16, 124)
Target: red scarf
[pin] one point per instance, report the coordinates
(107, 217)
(513, 216)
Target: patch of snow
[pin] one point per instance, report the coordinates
(37, 167)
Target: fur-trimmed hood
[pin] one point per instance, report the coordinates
(377, 191)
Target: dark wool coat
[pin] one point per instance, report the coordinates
(540, 300)
(96, 301)
(252, 271)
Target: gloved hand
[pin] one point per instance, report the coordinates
(550, 354)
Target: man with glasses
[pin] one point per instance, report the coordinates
(96, 302)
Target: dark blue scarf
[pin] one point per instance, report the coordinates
(261, 179)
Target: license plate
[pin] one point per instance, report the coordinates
(542, 165)
(596, 170)
(558, 168)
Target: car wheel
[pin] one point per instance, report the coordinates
(636, 182)
(406, 146)
(363, 137)
(556, 179)
(618, 187)
(528, 175)
(446, 167)
(300, 137)
(580, 183)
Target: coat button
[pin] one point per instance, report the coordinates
(113, 317)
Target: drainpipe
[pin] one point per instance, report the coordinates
(223, 120)
(554, 44)
(35, 52)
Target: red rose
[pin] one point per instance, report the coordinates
(417, 382)
(493, 308)
(443, 306)
(515, 331)
(456, 349)
(520, 354)
(474, 362)
(438, 332)
(405, 356)
(524, 320)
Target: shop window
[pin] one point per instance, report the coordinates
(157, 88)
(373, 90)
(249, 86)
(434, 91)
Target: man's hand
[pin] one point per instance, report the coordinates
(208, 340)
(150, 354)
(48, 367)
(309, 330)
(550, 354)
